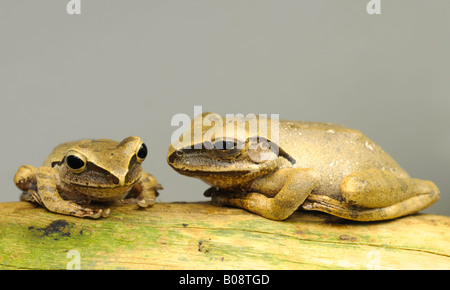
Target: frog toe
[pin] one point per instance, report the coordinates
(146, 202)
(210, 191)
(105, 213)
(93, 213)
(26, 196)
(73, 209)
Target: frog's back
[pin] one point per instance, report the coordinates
(334, 151)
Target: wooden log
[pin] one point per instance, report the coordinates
(204, 236)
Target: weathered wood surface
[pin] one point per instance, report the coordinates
(203, 236)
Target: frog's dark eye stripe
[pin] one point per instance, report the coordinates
(142, 153)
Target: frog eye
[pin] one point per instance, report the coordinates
(76, 162)
(226, 148)
(141, 153)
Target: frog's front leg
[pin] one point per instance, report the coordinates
(146, 187)
(293, 185)
(41, 184)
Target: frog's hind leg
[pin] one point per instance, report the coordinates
(25, 180)
(376, 194)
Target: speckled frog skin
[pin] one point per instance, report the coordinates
(316, 166)
(76, 173)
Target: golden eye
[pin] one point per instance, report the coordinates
(226, 149)
(225, 145)
(141, 153)
(76, 162)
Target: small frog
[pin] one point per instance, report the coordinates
(307, 165)
(78, 172)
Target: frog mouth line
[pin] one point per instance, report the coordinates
(106, 186)
(200, 173)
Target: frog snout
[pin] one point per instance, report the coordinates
(121, 180)
(120, 177)
(175, 156)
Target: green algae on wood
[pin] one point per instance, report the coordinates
(203, 236)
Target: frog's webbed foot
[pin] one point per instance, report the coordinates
(214, 191)
(144, 192)
(89, 212)
(26, 196)
(72, 208)
(31, 196)
(67, 207)
(140, 201)
(222, 197)
(210, 191)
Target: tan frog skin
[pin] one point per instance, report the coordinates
(317, 166)
(78, 172)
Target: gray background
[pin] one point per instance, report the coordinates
(125, 68)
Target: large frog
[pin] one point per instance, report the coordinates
(78, 172)
(290, 165)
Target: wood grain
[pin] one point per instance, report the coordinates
(204, 236)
